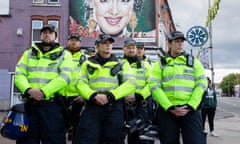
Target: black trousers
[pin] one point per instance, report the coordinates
(143, 112)
(100, 124)
(189, 126)
(46, 124)
(210, 113)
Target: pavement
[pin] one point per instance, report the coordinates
(227, 126)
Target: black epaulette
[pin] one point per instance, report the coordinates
(163, 61)
(190, 60)
(116, 69)
(90, 69)
(82, 59)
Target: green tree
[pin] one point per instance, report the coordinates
(228, 83)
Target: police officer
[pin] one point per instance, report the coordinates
(103, 82)
(138, 99)
(43, 70)
(141, 52)
(177, 83)
(75, 101)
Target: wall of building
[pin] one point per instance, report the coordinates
(11, 44)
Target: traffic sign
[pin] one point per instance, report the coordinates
(197, 36)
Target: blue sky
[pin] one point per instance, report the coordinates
(226, 31)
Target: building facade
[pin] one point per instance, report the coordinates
(22, 26)
(23, 23)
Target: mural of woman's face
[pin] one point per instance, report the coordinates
(113, 15)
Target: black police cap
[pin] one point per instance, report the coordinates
(129, 42)
(140, 44)
(74, 35)
(91, 49)
(48, 27)
(176, 35)
(104, 37)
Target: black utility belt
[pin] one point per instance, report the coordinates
(142, 103)
(42, 102)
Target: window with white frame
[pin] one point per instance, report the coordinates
(36, 28)
(38, 1)
(53, 1)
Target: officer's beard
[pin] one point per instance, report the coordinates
(47, 46)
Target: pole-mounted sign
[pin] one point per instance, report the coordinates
(197, 36)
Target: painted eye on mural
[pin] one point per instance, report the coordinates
(104, 1)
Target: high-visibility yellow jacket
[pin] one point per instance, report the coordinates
(146, 59)
(97, 78)
(142, 76)
(78, 59)
(175, 83)
(50, 71)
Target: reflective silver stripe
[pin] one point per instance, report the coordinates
(154, 88)
(200, 77)
(83, 77)
(140, 77)
(39, 80)
(65, 77)
(104, 79)
(155, 79)
(77, 69)
(178, 88)
(139, 87)
(61, 57)
(43, 69)
(132, 81)
(29, 54)
(104, 89)
(19, 73)
(202, 86)
(66, 69)
(189, 71)
(126, 76)
(48, 69)
(181, 77)
(211, 96)
(22, 65)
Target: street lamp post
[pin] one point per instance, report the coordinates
(210, 44)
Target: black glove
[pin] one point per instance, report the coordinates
(138, 97)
